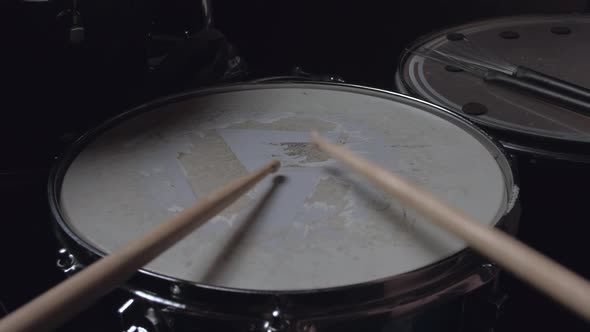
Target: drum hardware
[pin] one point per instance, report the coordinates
(140, 313)
(237, 67)
(76, 31)
(175, 290)
(276, 322)
(134, 328)
(67, 262)
(139, 316)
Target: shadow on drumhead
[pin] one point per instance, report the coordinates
(224, 256)
(398, 218)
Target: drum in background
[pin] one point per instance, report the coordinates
(315, 248)
(552, 144)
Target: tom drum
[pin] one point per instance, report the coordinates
(550, 143)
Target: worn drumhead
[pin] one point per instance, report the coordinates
(322, 226)
(554, 45)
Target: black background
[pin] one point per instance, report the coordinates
(53, 90)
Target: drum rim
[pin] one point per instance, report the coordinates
(464, 264)
(524, 141)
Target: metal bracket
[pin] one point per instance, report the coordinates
(137, 316)
(276, 322)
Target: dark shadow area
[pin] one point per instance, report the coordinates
(232, 245)
(396, 217)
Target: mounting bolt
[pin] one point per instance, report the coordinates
(66, 261)
(175, 289)
(276, 323)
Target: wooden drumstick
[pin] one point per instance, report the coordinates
(546, 275)
(73, 295)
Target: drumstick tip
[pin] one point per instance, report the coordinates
(315, 137)
(274, 165)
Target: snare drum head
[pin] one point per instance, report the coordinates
(322, 226)
(554, 45)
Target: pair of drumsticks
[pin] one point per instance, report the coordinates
(65, 300)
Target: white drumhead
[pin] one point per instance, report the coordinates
(322, 227)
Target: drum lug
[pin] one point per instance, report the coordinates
(276, 322)
(67, 262)
(136, 316)
(175, 290)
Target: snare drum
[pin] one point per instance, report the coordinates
(315, 248)
(551, 144)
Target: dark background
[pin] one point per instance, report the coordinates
(53, 90)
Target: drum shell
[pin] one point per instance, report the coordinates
(406, 295)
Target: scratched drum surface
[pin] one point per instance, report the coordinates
(322, 226)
